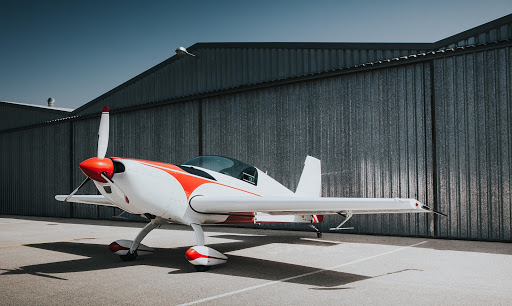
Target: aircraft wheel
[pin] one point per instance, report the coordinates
(129, 256)
(319, 234)
(202, 268)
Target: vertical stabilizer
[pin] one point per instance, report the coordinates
(310, 183)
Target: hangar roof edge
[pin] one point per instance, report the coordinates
(446, 43)
(312, 45)
(473, 31)
(404, 60)
(42, 107)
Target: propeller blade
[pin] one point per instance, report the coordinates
(76, 190)
(103, 133)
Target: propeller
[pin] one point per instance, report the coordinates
(99, 168)
(77, 188)
(103, 132)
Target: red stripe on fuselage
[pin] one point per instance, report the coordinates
(154, 163)
(189, 182)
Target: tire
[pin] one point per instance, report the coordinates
(129, 256)
(202, 268)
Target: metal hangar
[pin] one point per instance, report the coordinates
(430, 121)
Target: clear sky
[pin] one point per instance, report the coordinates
(74, 51)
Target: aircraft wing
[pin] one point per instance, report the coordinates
(86, 199)
(304, 205)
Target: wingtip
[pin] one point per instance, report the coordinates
(433, 211)
(105, 109)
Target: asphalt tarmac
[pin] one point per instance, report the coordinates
(51, 261)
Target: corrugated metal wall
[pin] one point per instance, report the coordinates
(35, 166)
(217, 68)
(473, 98)
(15, 115)
(492, 32)
(373, 130)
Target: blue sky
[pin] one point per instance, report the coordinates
(74, 51)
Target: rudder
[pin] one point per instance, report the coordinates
(310, 183)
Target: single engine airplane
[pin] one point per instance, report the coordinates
(212, 190)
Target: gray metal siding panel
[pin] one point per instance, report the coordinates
(369, 130)
(14, 116)
(473, 129)
(34, 163)
(85, 137)
(499, 33)
(221, 68)
(167, 133)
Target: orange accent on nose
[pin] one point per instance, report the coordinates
(93, 167)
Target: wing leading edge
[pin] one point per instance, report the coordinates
(304, 205)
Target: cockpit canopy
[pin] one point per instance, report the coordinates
(227, 166)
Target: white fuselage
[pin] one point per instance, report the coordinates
(164, 190)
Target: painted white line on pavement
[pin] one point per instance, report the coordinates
(301, 275)
(321, 240)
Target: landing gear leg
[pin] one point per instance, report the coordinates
(318, 232)
(132, 253)
(347, 216)
(198, 230)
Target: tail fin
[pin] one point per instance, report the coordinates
(310, 183)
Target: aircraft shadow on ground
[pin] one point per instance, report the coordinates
(100, 258)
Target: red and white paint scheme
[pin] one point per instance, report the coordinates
(212, 190)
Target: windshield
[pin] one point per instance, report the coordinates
(227, 166)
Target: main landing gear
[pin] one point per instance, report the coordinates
(318, 232)
(201, 256)
(128, 250)
(129, 256)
